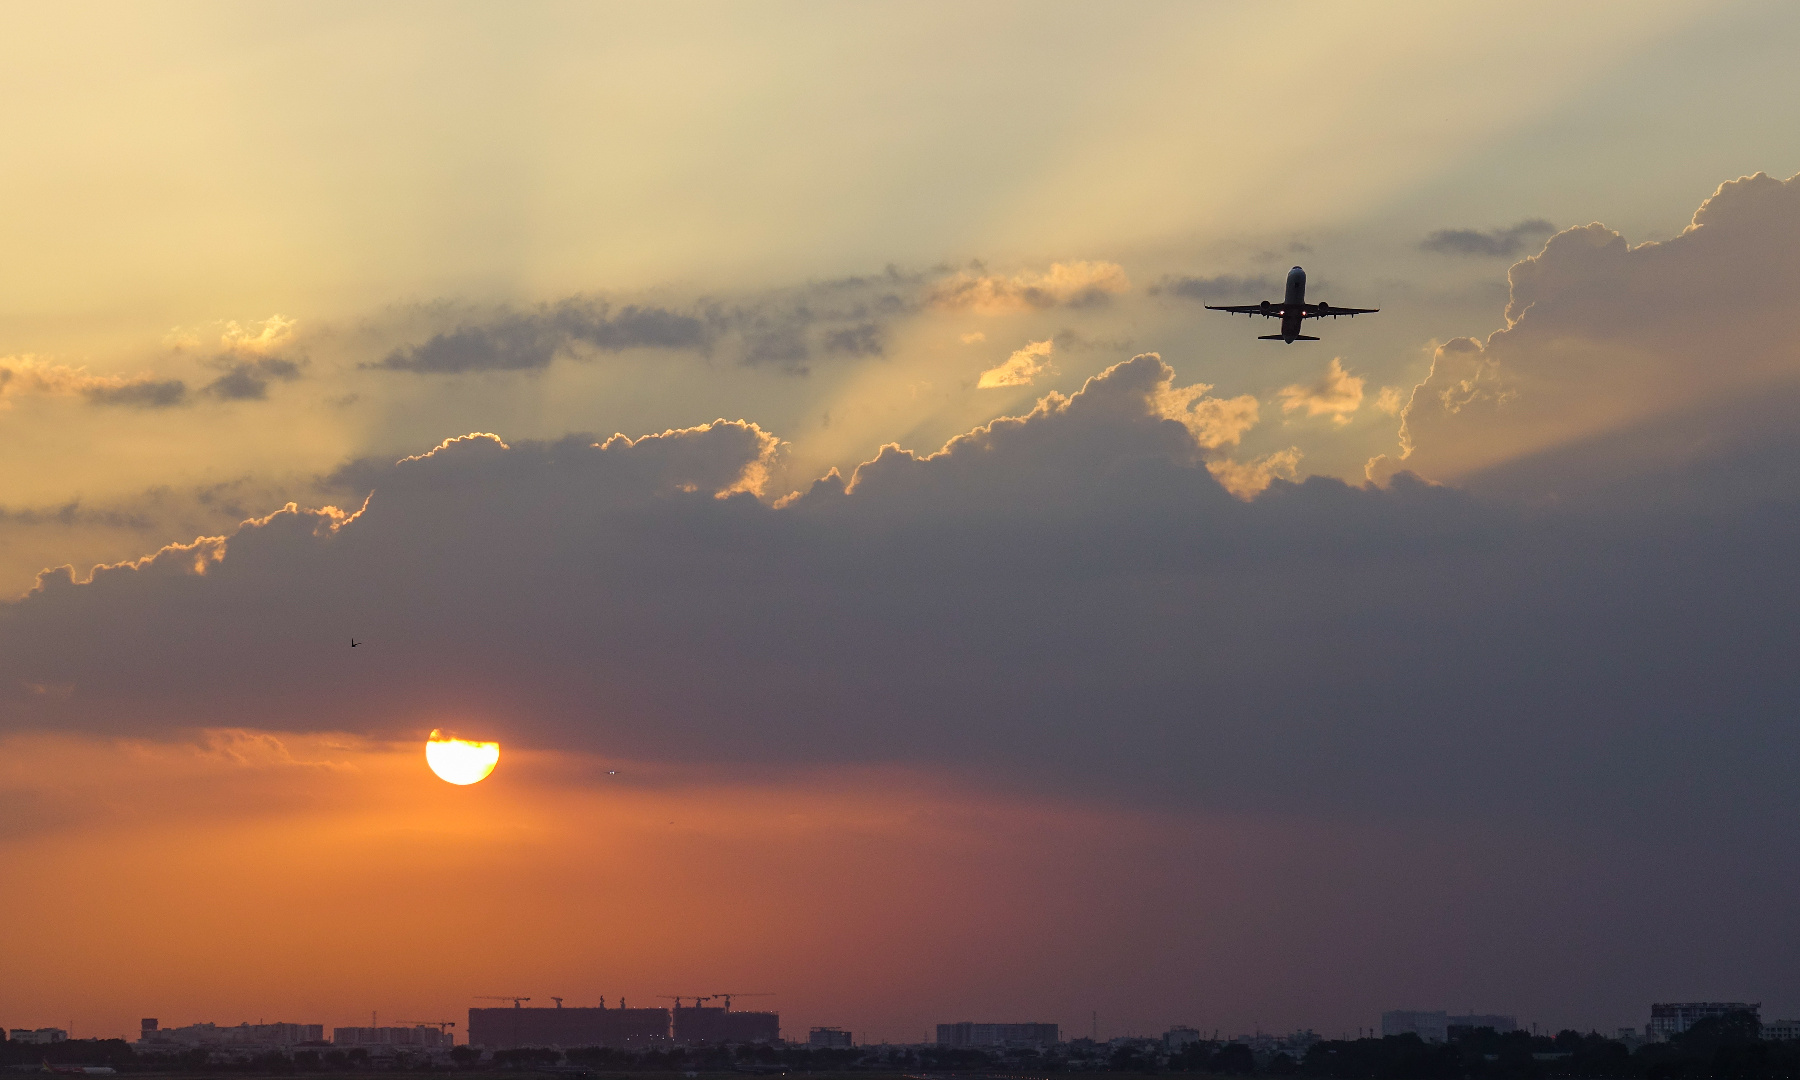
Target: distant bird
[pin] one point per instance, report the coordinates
(354, 643)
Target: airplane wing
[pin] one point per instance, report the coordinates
(1273, 311)
(1320, 311)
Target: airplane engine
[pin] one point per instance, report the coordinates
(1265, 305)
(1324, 308)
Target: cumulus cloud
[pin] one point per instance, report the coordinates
(1496, 243)
(1601, 336)
(1246, 479)
(1021, 368)
(1087, 598)
(1074, 284)
(1336, 393)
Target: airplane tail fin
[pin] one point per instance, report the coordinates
(1278, 337)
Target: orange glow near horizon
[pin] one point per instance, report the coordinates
(459, 761)
(313, 877)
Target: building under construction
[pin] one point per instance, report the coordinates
(706, 1025)
(621, 1028)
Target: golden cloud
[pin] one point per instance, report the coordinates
(1064, 284)
(1337, 394)
(1021, 368)
(1247, 479)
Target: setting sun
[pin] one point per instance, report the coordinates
(460, 761)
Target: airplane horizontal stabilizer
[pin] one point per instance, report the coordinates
(1278, 337)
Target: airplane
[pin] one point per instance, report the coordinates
(1293, 310)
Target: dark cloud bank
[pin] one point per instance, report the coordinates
(1067, 600)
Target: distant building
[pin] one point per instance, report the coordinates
(620, 1028)
(1442, 1026)
(1781, 1030)
(1669, 1018)
(697, 1025)
(827, 1038)
(38, 1036)
(275, 1036)
(1264, 1046)
(417, 1037)
(1430, 1026)
(1180, 1037)
(1469, 1023)
(970, 1034)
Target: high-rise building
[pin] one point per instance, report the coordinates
(509, 1029)
(828, 1038)
(972, 1034)
(1674, 1017)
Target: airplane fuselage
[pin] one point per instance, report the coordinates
(1293, 308)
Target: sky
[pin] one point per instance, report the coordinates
(796, 434)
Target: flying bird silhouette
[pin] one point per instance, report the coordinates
(354, 643)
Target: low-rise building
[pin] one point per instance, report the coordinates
(1180, 1037)
(1427, 1025)
(1781, 1030)
(416, 1037)
(967, 1033)
(1670, 1018)
(829, 1038)
(38, 1036)
(246, 1036)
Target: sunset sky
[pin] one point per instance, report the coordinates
(795, 434)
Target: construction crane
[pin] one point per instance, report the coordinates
(728, 998)
(557, 1000)
(441, 1025)
(676, 998)
(514, 998)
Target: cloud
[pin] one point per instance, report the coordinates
(972, 337)
(1075, 284)
(529, 340)
(1021, 368)
(1337, 394)
(1221, 287)
(1497, 243)
(1246, 479)
(1086, 600)
(29, 375)
(863, 339)
(1601, 336)
(248, 380)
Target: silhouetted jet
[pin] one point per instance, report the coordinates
(354, 643)
(1292, 310)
